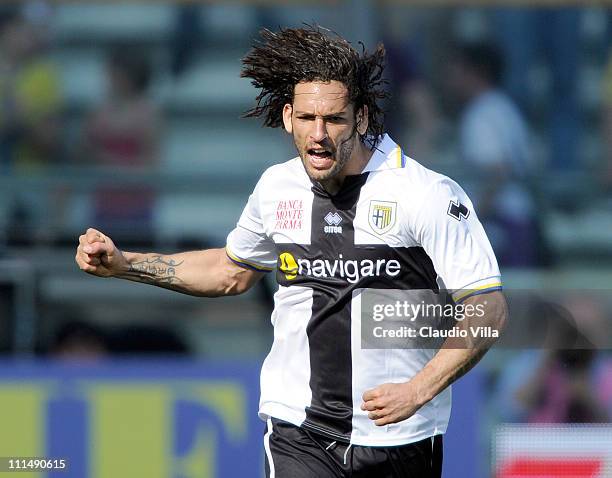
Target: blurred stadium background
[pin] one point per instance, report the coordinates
(125, 116)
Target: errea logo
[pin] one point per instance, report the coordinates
(333, 221)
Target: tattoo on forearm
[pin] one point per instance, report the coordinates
(157, 270)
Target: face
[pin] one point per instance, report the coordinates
(324, 128)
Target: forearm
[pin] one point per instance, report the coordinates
(446, 367)
(458, 356)
(200, 273)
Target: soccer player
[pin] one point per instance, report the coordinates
(350, 213)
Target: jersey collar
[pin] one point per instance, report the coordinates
(387, 155)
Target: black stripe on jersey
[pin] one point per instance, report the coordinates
(329, 329)
(333, 266)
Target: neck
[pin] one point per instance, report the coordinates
(355, 165)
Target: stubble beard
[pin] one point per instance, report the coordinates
(341, 157)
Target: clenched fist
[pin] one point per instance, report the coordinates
(390, 403)
(98, 255)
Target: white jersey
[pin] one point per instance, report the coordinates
(397, 225)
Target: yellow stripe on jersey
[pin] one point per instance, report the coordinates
(477, 289)
(245, 262)
(400, 157)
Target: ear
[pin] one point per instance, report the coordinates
(362, 120)
(287, 112)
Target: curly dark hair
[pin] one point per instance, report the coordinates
(280, 60)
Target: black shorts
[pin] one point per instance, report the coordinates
(293, 452)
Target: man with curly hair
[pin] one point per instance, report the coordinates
(350, 214)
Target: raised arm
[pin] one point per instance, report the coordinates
(206, 273)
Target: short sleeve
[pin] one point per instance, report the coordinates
(248, 244)
(447, 228)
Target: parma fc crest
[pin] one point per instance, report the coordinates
(382, 216)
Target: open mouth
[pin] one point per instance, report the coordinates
(320, 158)
(319, 153)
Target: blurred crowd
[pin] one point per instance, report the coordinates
(468, 103)
(122, 131)
(567, 378)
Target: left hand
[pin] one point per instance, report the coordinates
(390, 403)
